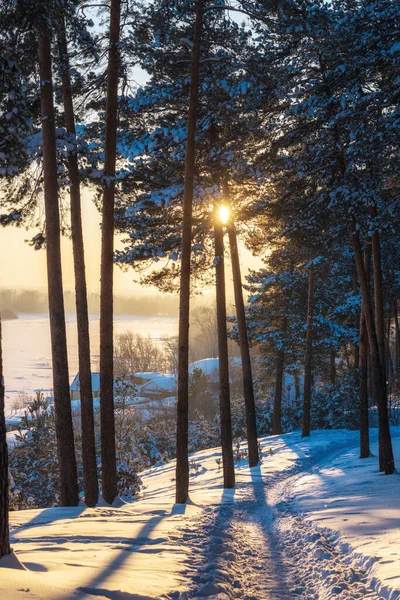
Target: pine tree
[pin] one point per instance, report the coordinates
(4, 507)
(65, 436)
(85, 379)
(224, 393)
(108, 455)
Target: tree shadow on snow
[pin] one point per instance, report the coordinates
(135, 544)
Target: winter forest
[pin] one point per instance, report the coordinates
(253, 454)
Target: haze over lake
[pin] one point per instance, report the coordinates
(27, 349)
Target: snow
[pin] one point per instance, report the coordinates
(208, 365)
(75, 385)
(312, 521)
(11, 441)
(162, 383)
(27, 361)
(361, 507)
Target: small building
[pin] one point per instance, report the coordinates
(13, 421)
(162, 386)
(75, 387)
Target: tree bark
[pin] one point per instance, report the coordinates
(356, 345)
(248, 390)
(379, 313)
(308, 357)
(379, 301)
(388, 354)
(91, 487)
(62, 402)
(107, 420)
(297, 390)
(363, 369)
(279, 370)
(379, 384)
(4, 507)
(223, 359)
(397, 328)
(182, 462)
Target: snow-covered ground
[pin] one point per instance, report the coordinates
(27, 348)
(313, 521)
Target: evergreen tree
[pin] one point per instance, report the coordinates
(4, 504)
(65, 437)
(108, 455)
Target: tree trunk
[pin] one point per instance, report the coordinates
(379, 302)
(363, 370)
(182, 462)
(379, 314)
(385, 447)
(107, 420)
(356, 326)
(223, 360)
(297, 390)
(62, 402)
(397, 328)
(4, 525)
(308, 357)
(388, 353)
(252, 442)
(279, 370)
(91, 488)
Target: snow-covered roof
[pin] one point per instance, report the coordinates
(207, 365)
(75, 385)
(163, 383)
(148, 375)
(14, 419)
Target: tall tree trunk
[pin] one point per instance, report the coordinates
(379, 384)
(107, 420)
(356, 345)
(363, 369)
(308, 357)
(4, 525)
(297, 390)
(251, 425)
(379, 301)
(223, 359)
(332, 367)
(397, 329)
(62, 402)
(182, 462)
(388, 354)
(279, 370)
(379, 313)
(91, 487)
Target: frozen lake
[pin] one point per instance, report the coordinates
(27, 350)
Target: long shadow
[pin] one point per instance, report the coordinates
(47, 516)
(276, 568)
(136, 543)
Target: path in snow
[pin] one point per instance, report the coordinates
(255, 547)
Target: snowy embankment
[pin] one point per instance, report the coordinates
(292, 528)
(359, 509)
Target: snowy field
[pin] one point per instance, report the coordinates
(27, 349)
(313, 522)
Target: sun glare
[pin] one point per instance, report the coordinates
(224, 214)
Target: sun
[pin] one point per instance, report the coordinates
(224, 214)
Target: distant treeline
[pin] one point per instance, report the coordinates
(35, 301)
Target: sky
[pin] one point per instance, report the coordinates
(22, 267)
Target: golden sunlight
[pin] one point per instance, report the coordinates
(224, 214)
